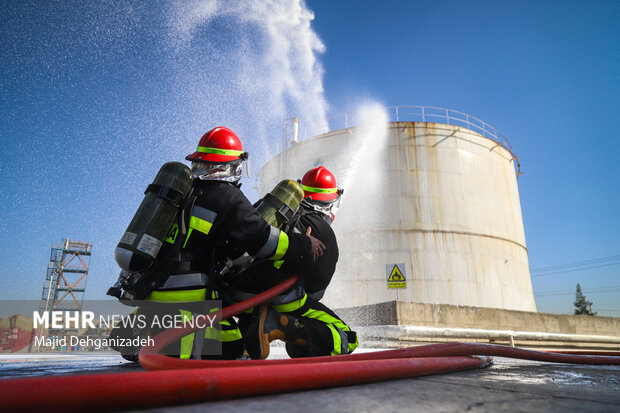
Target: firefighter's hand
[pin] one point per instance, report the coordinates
(316, 248)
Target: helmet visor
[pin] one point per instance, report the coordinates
(227, 172)
(324, 207)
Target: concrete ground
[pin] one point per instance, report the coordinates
(508, 385)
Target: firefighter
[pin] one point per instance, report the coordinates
(222, 224)
(307, 326)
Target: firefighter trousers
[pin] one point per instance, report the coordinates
(326, 333)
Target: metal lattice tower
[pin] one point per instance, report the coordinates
(67, 271)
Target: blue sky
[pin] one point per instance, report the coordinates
(95, 96)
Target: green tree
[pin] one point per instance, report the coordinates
(582, 306)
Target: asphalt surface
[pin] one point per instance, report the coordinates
(508, 385)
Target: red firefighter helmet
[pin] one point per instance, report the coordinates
(219, 145)
(319, 184)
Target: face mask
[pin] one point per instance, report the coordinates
(328, 209)
(227, 172)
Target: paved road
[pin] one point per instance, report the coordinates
(509, 385)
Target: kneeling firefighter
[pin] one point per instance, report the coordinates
(215, 223)
(307, 326)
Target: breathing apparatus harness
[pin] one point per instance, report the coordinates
(137, 285)
(223, 273)
(282, 208)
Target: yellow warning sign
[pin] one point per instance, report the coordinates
(396, 276)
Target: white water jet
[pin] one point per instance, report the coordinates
(248, 65)
(363, 179)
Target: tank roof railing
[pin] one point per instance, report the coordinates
(451, 117)
(419, 113)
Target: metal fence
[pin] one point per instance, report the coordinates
(410, 113)
(418, 113)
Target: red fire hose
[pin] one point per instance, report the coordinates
(190, 381)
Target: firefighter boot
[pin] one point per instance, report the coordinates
(272, 325)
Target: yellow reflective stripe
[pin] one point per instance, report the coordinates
(200, 225)
(353, 346)
(187, 342)
(204, 149)
(231, 335)
(278, 264)
(319, 190)
(292, 306)
(182, 295)
(197, 224)
(281, 248)
(187, 237)
(331, 321)
(323, 317)
(337, 340)
(212, 333)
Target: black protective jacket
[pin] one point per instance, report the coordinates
(314, 276)
(223, 220)
(317, 275)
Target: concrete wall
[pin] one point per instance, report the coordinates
(442, 315)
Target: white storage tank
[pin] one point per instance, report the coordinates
(439, 201)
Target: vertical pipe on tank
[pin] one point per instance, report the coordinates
(295, 130)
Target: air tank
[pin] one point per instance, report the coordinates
(278, 207)
(148, 228)
(436, 204)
